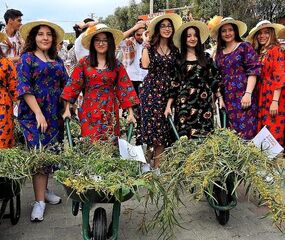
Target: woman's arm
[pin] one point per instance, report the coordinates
(275, 102)
(246, 99)
(145, 58)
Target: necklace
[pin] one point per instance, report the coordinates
(231, 49)
(164, 53)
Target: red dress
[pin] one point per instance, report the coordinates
(105, 91)
(272, 78)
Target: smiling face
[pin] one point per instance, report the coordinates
(192, 38)
(165, 29)
(44, 38)
(263, 36)
(227, 33)
(101, 43)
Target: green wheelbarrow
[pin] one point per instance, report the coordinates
(224, 198)
(99, 229)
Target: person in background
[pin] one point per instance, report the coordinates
(239, 66)
(13, 44)
(160, 59)
(105, 83)
(271, 85)
(192, 94)
(42, 76)
(8, 94)
(131, 48)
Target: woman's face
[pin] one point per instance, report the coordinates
(192, 39)
(227, 33)
(263, 36)
(101, 43)
(44, 38)
(165, 28)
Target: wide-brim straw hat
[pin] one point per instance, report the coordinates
(99, 28)
(281, 33)
(175, 18)
(26, 28)
(2, 37)
(242, 28)
(264, 24)
(203, 29)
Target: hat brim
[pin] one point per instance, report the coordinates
(277, 27)
(26, 28)
(281, 33)
(204, 32)
(175, 18)
(2, 37)
(117, 35)
(242, 27)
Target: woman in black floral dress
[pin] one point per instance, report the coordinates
(159, 58)
(192, 92)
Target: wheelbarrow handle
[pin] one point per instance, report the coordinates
(130, 131)
(223, 115)
(68, 131)
(169, 117)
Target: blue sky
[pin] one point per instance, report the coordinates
(63, 12)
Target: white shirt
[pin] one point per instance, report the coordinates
(80, 51)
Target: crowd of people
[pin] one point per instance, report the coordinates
(154, 71)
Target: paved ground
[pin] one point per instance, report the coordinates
(198, 219)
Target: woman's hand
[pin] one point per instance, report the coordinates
(246, 100)
(167, 111)
(67, 113)
(221, 103)
(273, 108)
(131, 119)
(41, 122)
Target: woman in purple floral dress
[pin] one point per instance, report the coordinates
(41, 76)
(239, 66)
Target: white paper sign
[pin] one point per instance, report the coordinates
(267, 143)
(130, 152)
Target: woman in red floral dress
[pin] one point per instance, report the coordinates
(105, 83)
(271, 86)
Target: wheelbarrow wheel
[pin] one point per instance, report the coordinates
(100, 224)
(75, 208)
(15, 209)
(222, 198)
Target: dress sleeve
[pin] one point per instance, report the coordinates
(24, 70)
(278, 67)
(251, 62)
(75, 84)
(125, 91)
(12, 80)
(214, 77)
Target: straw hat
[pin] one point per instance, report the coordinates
(228, 20)
(264, 24)
(281, 33)
(175, 18)
(204, 31)
(99, 28)
(2, 37)
(26, 28)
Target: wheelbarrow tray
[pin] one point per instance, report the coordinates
(9, 187)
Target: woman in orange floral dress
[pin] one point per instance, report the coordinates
(271, 84)
(8, 94)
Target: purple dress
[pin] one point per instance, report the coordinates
(235, 67)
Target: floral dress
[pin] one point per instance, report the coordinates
(105, 91)
(193, 95)
(272, 77)
(235, 67)
(154, 95)
(44, 80)
(8, 94)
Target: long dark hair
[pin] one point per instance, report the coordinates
(199, 48)
(221, 44)
(156, 35)
(110, 55)
(31, 45)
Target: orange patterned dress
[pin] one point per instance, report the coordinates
(8, 94)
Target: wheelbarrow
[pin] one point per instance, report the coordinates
(99, 229)
(10, 193)
(224, 199)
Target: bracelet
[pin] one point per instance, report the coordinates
(220, 97)
(248, 93)
(275, 100)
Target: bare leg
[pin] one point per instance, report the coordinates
(158, 150)
(40, 184)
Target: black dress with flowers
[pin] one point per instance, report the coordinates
(193, 94)
(154, 95)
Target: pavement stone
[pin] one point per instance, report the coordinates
(198, 221)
